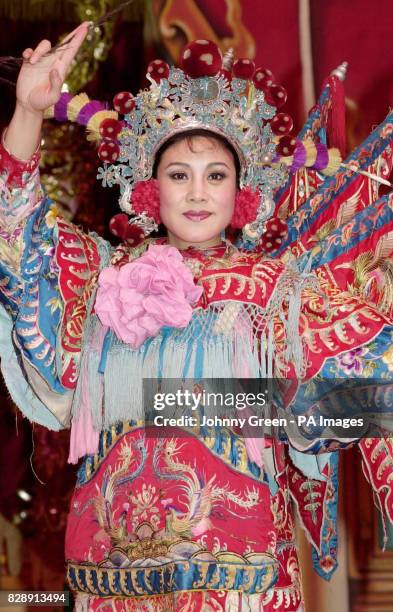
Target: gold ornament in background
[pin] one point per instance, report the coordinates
(58, 10)
(68, 170)
(99, 39)
(96, 46)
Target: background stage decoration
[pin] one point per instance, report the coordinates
(221, 21)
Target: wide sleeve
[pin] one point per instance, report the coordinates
(342, 235)
(48, 269)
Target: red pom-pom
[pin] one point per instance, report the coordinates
(158, 69)
(263, 77)
(246, 207)
(281, 124)
(120, 226)
(276, 95)
(201, 58)
(286, 146)
(134, 235)
(110, 128)
(243, 68)
(146, 198)
(274, 235)
(108, 151)
(124, 102)
(227, 74)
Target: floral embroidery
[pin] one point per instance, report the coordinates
(351, 362)
(51, 216)
(144, 501)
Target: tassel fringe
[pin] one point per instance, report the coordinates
(228, 340)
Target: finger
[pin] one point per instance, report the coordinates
(27, 53)
(70, 36)
(43, 47)
(56, 83)
(72, 48)
(55, 79)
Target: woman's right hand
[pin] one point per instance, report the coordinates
(42, 74)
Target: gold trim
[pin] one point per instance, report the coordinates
(93, 574)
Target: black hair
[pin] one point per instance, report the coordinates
(188, 136)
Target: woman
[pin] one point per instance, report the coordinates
(198, 522)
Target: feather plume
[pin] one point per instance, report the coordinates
(75, 105)
(334, 163)
(93, 127)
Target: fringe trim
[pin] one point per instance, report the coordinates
(244, 347)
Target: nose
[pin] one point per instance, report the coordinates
(196, 192)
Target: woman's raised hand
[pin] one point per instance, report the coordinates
(42, 74)
(38, 87)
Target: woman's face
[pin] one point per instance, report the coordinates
(197, 191)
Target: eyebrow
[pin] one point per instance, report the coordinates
(188, 165)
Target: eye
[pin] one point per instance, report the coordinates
(178, 176)
(217, 176)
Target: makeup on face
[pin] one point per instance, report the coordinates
(197, 191)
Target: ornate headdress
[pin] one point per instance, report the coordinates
(232, 99)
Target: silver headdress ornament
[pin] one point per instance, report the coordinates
(202, 95)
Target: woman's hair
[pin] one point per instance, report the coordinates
(189, 135)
